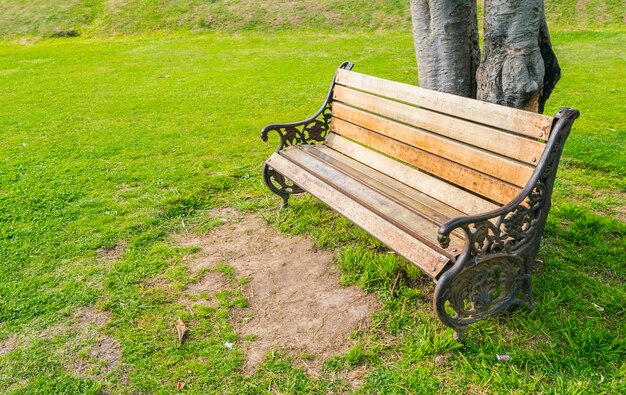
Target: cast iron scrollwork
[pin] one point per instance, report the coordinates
(310, 131)
(280, 185)
(313, 130)
(494, 270)
(510, 232)
(481, 291)
(484, 288)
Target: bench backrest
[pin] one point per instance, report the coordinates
(484, 148)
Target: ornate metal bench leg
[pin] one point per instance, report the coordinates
(280, 185)
(482, 288)
(459, 333)
(527, 292)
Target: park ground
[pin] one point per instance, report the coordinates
(130, 195)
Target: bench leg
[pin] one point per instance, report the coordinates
(527, 292)
(481, 288)
(280, 185)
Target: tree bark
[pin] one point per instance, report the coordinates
(445, 34)
(518, 68)
(551, 64)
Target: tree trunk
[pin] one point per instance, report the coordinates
(445, 34)
(553, 71)
(518, 68)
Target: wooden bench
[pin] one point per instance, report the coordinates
(459, 187)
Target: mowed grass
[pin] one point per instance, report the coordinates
(115, 145)
(49, 18)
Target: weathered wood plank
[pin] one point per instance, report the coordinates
(473, 180)
(407, 220)
(449, 194)
(497, 166)
(412, 249)
(480, 136)
(518, 121)
(434, 209)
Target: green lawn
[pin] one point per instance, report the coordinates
(124, 142)
(50, 18)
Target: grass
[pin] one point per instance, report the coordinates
(109, 147)
(45, 18)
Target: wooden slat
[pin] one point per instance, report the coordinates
(493, 140)
(407, 220)
(421, 204)
(482, 184)
(434, 209)
(497, 166)
(449, 194)
(416, 252)
(518, 121)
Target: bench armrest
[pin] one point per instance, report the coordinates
(309, 131)
(494, 269)
(519, 224)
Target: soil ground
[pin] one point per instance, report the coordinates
(296, 304)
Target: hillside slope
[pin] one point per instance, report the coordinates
(49, 18)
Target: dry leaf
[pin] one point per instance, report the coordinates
(180, 385)
(181, 329)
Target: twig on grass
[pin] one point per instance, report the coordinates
(395, 282)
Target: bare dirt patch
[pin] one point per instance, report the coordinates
(296, 304)
(115, 6)
(8, 345)
(581, 6)
(211, 283)
(88, 317)
(111, 254)
(355, 377)
(620, 213)
(92, 353)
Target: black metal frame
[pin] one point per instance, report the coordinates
(494, 269)
(312, 130)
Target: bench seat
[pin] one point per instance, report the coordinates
(459, 188)
(387, 214)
